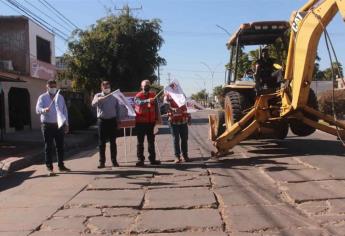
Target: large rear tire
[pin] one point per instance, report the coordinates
(298, 127)
(235, 107)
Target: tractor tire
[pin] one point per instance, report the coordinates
(235, 105)
(220, 127)
(298, 127)
(281, 129)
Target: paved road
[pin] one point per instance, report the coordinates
(290, 187)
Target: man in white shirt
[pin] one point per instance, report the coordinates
(48, 105)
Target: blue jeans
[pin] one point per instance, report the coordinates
(180, 132)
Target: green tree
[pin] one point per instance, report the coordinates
(254, 55)
(279, 49)
(337, 70)
(121, 49)
(201, 95)
(218, 91)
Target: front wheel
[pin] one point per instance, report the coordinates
(217, 126)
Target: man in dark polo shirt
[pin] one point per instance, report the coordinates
(107, 113)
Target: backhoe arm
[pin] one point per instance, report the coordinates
(307, 26)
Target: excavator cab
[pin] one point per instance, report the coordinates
(247, 81)
(261, 34)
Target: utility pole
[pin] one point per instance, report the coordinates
(127, 10)
(169, 80)
(158, 75)
(212, 71)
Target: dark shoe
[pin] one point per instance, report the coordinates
(115, 164)
(177, 160)
(50, 171)
(64, 169)
(155, 162)
(140, 164)
(186, 159)
(101, 166)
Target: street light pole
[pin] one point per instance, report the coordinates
(226, 70)
(222, 28)
(211, 71)
(203, 80)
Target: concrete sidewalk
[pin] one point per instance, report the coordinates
(25, 148)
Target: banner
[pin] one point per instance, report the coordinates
(61, 119)
(125, 120)
(125, 102)
(193, 106)
(176, 93)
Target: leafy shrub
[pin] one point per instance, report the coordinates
(76, 118)
(89, 117)
(325, 103)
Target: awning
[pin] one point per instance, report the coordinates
(10, 77)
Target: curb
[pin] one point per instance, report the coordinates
(13, 164)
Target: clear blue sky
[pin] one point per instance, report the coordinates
(189, 30)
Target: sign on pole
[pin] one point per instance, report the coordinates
(125, 120)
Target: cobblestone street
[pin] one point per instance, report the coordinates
(262, 189)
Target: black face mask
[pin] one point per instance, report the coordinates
(147, 88)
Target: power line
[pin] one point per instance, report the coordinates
(10, 6)
(38, 19)
(57, 13)
(49, 17)
(102, 4)
(59, 49)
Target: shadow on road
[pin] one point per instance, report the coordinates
(301, 147)
(199, 121)
(15, 180)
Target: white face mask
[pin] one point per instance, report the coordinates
(107, 90)
(52, 90)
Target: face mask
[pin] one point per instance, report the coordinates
(106, 91)
(52, 90)
(147, 88)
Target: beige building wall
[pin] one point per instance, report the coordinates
(36, 30)
(35, 88)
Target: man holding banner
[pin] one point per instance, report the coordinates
(179, 119)
(54, 119)
(107, 114)
(146, 108)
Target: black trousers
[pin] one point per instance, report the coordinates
(52, 133)
(107, 132)
(142, 131)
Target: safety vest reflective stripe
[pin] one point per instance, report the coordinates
(145, 114)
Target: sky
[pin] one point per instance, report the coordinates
(194, 46)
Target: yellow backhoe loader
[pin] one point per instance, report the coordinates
(252, 107)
